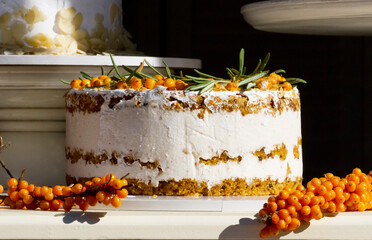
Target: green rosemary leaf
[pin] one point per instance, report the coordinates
(251, 85)
(65, 82)
(241, 61)
(181, 73)
(102, 71)
(147, 76)
(85, 75)
(206, 75)
(230, 73)
(132, 72)
(207, 88)
(109, 72)
(253, 78)
(236, 72)
(115, 67)
(264, 62)
(244, 70)
(80, 78)
(198, 78)
(295, 80)
(279, 71)
(153, 68)
(257, 67)
(197, 87)
(168, 70)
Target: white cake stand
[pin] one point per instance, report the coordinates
(32, 111)
(316, 17)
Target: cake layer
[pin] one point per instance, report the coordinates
(159, 136)
(62, 27)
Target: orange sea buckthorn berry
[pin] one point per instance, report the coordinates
(37, 192)
(330, 195)
(136, 83)
(92, 200)
(314, 201)
(150, 83)
(323, 179)
(115, 201)
(292, 210)
(288, 219)
(22, 184)
(298, 194)
(96, 181)
(335, 181)
(49, 196)
(31, 188)
(1, 189)
(283, 194)
(361, 188)
(170, 83)
(231, 86)
(57, 190)
(305, 200)
(353, 177)
(265, 232)
(357, 171)
(181, 85)
(107, 200)
(281, 203)
(93, 80)
(44, 205)
(328, 185)
(311, 188)
(28, 199)
(332, 207)
(271, 199)
(14, 196)
(159, 77)
(160, 82)
(86, 83)
(305, 210)
(340, 207)
(122, 85)
(321, 190)
(76, 83)
(281, 224)
(342, 185)
(300, 187)
(328, 175)
(84, 205)
(272, 206)
(66, 191)
(20, 204)
(294, 224)
(12, 182)
(354, 198)
(54, 205)
(274, 218)
(77, 188)
(346, 195)
(107, 82)
(321, 200)
(117, 184)
(103, 77)
(23, 193)
(287, 86)
(351, 186)
(316, 182)
(263, 212)
(283, 213)
(292, 199)
(100, 196)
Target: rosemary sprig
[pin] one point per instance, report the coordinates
(252, 78)
(115, 67)
(86, 75)
(153, 68)
(206, 75)
(138, 74)
(65, 82)
(102, 71)
(295, 80)
(168, 70)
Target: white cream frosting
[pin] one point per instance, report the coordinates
(62, 26)
(176, 140)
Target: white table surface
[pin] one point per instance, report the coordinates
(191, 223)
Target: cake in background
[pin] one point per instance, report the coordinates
(63, 27)
(199, 135)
